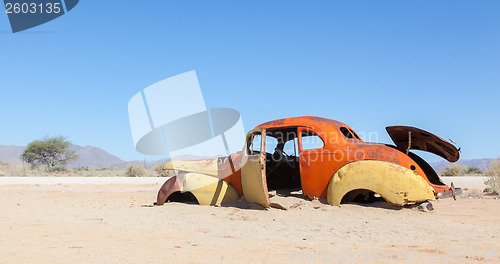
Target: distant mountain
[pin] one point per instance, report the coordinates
(479, 163)
(11, 153)
(88, 157)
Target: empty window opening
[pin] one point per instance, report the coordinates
(253, 145)
(311, 141)
(282, 159)
(349, 133)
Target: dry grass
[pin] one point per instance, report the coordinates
(493, 174)
(455, 170)
(458, 169)
(20, 170)
(15, 169)
(161, 172)
(135, 171)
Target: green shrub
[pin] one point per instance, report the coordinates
(135, 171)
(50, 152)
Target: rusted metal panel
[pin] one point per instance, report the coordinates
(168, 188)
(229, 170)
(253, 172)
(422, 140)
(206, 189)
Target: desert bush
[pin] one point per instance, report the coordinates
(159, 171)
(158, 168)
(81, 169)
(455, 170)
(473, 171)
(2, 168)
(56, 169)
(135, 171)
(25, 170)
(493, 174)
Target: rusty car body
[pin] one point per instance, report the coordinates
(322, 157)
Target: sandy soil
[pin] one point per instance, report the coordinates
(109, 223)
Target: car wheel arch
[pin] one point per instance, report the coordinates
(393, 182)
(206, 189)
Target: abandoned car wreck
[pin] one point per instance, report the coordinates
(321, 157)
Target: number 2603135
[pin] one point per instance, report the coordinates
(32, 8)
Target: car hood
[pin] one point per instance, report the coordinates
(422, 140)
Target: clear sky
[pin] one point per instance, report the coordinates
(430, 64)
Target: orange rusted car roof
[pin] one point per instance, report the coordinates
(307, 121)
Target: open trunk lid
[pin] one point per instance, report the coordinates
(407, 138)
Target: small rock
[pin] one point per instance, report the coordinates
(277, 206)
(285, 203)
(425, 207)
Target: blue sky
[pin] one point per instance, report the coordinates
(430, 64)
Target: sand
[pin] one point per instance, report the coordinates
(114, 222)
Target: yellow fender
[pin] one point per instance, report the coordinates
(395, 183)
(208, 190)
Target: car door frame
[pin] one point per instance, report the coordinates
(314, 173)
(253, 170)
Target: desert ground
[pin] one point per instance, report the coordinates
(103, 220)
